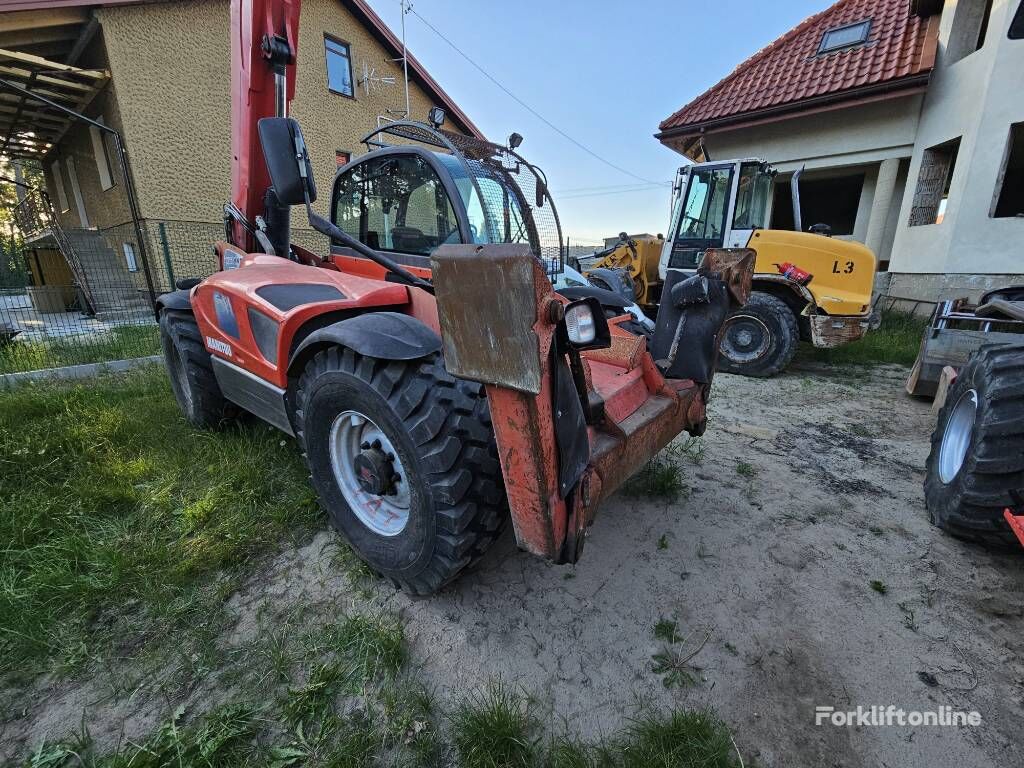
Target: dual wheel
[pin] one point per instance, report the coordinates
(401, 453)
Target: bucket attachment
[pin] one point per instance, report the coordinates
(571, 426)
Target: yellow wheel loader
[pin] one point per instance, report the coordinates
(807, 285)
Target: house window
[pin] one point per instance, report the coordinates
(970, 27)
(102, 156)
(58, 184)
(832, 201)
(339, 66)
(1017, 25)
(933, 182)
(129, 257)
(1009, 199)
(341, 157)
(846, 36)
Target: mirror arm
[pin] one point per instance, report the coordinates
(322, 225)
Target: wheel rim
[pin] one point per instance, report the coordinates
(956, 438)
(746, 339)
(369, 473)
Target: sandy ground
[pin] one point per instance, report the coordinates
(772, 566)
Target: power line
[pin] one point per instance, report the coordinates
(605, 194)
(526, 106)
(613, 187)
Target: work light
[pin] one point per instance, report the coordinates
(579, 324)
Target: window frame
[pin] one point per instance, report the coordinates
(1016, 30)
(328, 38)
(823, 49)
(951, 148)
(102, 154)
(58, 183)
(1004, 166)
(447, 184)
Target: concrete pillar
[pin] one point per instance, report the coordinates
(888, 170)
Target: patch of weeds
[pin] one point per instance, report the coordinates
(743, 469)
(659, 478)
(677, 739)
(673, 665)
(222, 738)
(860, 430)
(568, 575)
(663, 541)
(878, 586)
(693, 448)
(372, 646)
(407, 711)
(667, 630)
(312, 702)
(896, 341)
(495, 727)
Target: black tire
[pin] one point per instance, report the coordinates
(441, 430)
(191, 371)
(969, 504)
(770, 326)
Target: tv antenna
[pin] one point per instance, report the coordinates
(371, 82)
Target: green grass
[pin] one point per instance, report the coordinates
(896, 341)
(121, 342)
(496, 728)
(115, 508)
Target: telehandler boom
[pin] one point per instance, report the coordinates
(437, 384)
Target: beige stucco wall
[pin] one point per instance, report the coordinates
(975, 98)
(171, 68)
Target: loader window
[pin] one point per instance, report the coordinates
(755, 188)
(707, 202)
(395, 203)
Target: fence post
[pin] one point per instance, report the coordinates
(167, 255)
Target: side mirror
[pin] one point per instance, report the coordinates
(284, 150)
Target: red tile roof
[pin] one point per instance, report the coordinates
(789, 74)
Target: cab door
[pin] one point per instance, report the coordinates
(702, 220)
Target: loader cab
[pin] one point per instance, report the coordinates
(436, 188)
(715, 205)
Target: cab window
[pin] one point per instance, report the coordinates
(707, 202)
(395, 203)
(755, 187)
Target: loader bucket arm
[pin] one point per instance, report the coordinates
(499, 316)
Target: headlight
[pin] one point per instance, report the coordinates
(579, 324)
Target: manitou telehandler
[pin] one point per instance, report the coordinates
(436, 382)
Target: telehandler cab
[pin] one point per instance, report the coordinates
(435, 381)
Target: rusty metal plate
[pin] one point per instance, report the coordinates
(487, 303)
(831, 331)
(734, 266)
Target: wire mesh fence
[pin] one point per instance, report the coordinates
(71, 295)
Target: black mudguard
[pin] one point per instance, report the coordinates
(384, 335)
(180, 299)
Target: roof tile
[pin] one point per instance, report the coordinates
(789, 70)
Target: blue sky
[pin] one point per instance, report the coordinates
(606, 73)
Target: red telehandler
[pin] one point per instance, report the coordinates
(436, 382)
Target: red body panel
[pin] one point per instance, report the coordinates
(1016, 524)
(259, 270)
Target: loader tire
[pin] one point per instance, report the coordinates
(190, 369)
(758, 339)
(422, 426)
(977, 453)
